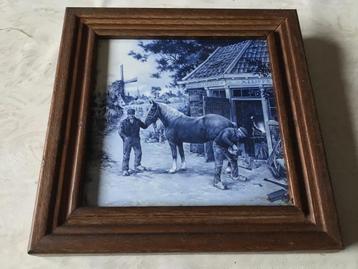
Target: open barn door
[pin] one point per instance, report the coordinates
(215, 105)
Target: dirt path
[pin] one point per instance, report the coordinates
(158, 188)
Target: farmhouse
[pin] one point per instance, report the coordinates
(235, 81)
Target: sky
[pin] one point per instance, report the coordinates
(114, 52)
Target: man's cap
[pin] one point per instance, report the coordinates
(130, 111)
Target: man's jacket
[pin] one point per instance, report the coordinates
(128, 129)
(228, 137)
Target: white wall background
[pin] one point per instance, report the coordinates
(29, 39)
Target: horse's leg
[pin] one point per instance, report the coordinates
(182, 156)
(173, 147)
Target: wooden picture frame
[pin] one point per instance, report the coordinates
(62, 224)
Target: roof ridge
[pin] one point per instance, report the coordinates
(196, 68)
(237, 58)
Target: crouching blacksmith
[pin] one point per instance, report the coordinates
(129, 132)
(225, 147)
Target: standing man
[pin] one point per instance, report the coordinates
(129, 132)
(225, 147)
(253, 131)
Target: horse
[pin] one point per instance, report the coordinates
(180, 128)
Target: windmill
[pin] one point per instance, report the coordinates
(125, 82)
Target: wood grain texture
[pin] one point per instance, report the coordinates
(63, 225)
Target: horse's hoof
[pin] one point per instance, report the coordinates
(220, 186)
(183, 166)
(172, 171)
(240, 178)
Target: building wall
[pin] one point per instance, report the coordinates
(196, 107)
(196, 102)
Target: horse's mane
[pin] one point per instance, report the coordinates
(169, 112)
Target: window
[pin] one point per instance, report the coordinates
(236, 93)
(246, 92)
(219, 93)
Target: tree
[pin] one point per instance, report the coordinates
(179, 57)
(108, 107)
(155, 91)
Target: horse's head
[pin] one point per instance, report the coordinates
(153, 113)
